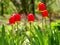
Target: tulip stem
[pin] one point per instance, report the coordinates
(12, 34)
(45, 24)
(17, 34)
(30, 28)
(12, 28)
(30, 25)
(42, 22)
(17, 26)
(50, 21)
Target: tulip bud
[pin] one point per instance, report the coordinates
(30, 17)
(12, 20)
(44, 13)
(41, 6)
(17, 17)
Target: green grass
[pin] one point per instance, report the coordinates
(33, 35)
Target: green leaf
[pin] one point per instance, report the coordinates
(3, 31)
(39, 36)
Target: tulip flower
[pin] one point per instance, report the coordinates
(41, 6)
(12, 20)
(17, 17)
(30, 17)
(44, 13)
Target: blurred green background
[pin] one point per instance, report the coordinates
(9, 7)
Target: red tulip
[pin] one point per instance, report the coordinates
(12, 20)
(30, 17)
(17, 17)
(41, 6)
(44, 13)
